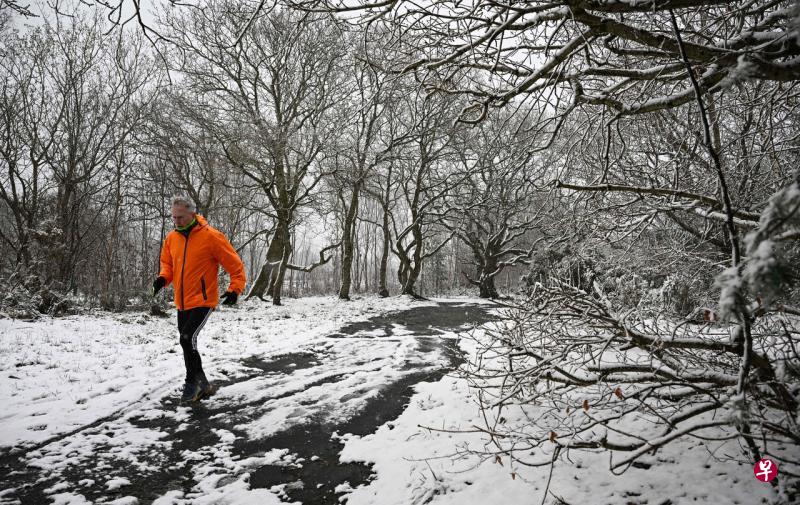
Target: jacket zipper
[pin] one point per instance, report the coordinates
(183, 268)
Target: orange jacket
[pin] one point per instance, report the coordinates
(192, 265)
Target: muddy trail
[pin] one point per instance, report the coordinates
(170, 449)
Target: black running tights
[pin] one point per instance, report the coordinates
(190, 322)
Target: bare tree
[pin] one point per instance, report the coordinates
(271, 95)
(423, 182)
(77, 97)
(496, 203)
(359, 151)
(668, 115)
(24, 110)
(665, 205)
(96, 89)
(374, 136)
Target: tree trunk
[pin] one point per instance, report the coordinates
(414, 264)
(347, 243)
(277, 284)
(265, 282)
(365, 259)
(382, 290)
(412, 274)
(487, 288)
(402, 274)
(487, 272)
(106, 296)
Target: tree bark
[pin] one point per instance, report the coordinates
(267, 276)
(347, 242)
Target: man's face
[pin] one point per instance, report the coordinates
(181, 216)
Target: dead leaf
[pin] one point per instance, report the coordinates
(619, 394)
(553, 436)
(499, 460)
(586, 405)
(513, 476)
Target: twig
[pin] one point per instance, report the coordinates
(556, 450)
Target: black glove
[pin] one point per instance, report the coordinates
(229, 298)
(159, 283)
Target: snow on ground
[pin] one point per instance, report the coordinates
(85, 368)
(416, 465)
(58, 375)
(431, 454)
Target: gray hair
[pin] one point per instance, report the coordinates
(184, 201)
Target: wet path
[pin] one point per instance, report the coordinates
(283, 439)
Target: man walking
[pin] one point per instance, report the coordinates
(190, 259)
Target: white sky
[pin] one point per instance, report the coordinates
(47, 9)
